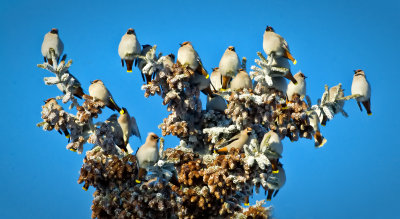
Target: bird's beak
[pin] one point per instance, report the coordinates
(91, 82)
(180, 44)
(355, 71)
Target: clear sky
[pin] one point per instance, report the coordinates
(355, 175)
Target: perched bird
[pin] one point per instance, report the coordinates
(128, 48)
(98, 91)
(129, 128)
(241, 80)
(229, 66)
(169, 61)
(141, 63)
(216, 103)
(275, 182)
(314, 122)
(236, 141)
(188, 57)
(52, 41)
(274, 45)
(282, 63)
(299, 88)
(216, 80)
(147, 154)
(273, 145)
(77, 90)
(116, 130)
(51, 103)
(362, 87)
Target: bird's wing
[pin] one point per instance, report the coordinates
(285, 44)
(135, 128)
(225, 143)
(201, 68)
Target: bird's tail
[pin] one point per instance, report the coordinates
(290, 77)
(367, 105)
(79, 93)
(225, 81)
(129, 64)
(289, 56)
(319, 139)
(113, 106)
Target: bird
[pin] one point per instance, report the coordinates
(129, 127)
(275, 45)
(271, 142)
(51, 103)
(275, 182)
(282, 63)
(229, 66)
(141, 63)
(362, 87)
(98, 91)
(241, 80)
(52, 41)
(236, 141)
(188, 57)
(314, 122)
(299, 88)
(147, 154)
(76, 90)
(216, 103)
(216, 80)
(128, 48)
(116, 130)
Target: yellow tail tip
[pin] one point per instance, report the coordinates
(323, 125)
(295, 62)
(129, 71)
(121, 112)
(268, 199)
(275, 171)
(246, 204)
(84, 188)
(72, 149)
(207, 76)
(138, 181)
(369, 114)
(285, 107)
(67, 136)
(215, 152)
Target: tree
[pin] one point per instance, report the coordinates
(195, 178)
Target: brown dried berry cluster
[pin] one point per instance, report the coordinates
(89, 109)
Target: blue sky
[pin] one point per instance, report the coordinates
(355, 175)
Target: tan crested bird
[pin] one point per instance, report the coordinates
(275, 182)
(318, 138)
(236, 141)
(147, 154)
(273, 145)
(275, 45)
(299, 88)
(228, 66)
(128, 48)
(282, 63)
(216, 80)
(241, 80)
(129, 127)
(77, 90)
(52, 41)
(216, 103)
(362, 87)
(98, 91)
(52, 103)
(142, 63)
(188, 57)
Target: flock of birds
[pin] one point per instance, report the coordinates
(230, 74)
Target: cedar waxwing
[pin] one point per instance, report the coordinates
(275, 182)
(275, 45)
(216, 80)
(52, 41)
(241, 80)
(362, 87)
(299, 88)
(236, 141)
(129, 128)
(273, 145)
(147, 154)
(228, 66)
(318, 138)
(98, 91)
(128, 48)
